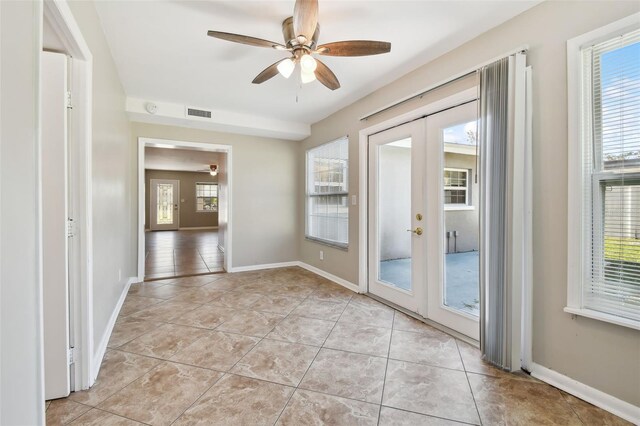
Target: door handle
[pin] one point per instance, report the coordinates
(418, 230)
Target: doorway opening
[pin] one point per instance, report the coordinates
(184, 199)
(422, 236)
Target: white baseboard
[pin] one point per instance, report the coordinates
(195, 228)
(351, 286)
(101, 348)
(598, 398)
(264, 266)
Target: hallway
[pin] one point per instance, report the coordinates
(179, 253)
(285, 346)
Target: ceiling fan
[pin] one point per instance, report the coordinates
(301, 32)
(212, 170)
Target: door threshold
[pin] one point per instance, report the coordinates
(443, 328)
(184, 276)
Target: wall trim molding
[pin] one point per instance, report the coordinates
(195, 228)
(347, 284)
(101, 348)
(594, 396)
(263, 266)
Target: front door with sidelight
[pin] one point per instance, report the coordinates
(164, 205)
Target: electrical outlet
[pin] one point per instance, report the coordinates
(354, 200)
(321, 255)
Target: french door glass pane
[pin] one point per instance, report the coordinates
(394, 213)
(165, 204)
(461, 277)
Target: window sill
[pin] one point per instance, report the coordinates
(206, 211)
(344, 247)
(588, 313)
(452, 207)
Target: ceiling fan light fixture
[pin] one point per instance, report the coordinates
(285, 68)
(213, 170)
(308, 64)
(307, 77)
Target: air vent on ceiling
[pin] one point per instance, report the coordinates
(198, 113)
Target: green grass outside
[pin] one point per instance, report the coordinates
(622, 249)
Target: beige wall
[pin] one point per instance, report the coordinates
(598, 354)
(114, 239)
(189, 217)
(264, 206)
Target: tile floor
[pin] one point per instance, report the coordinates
(287, 347)
(178, 253)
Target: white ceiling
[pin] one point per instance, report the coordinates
(186, 160)
(163, 54)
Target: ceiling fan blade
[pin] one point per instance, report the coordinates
(326, 76)
(354, 48)
(243, 39)
(305, 18)
(269, 72)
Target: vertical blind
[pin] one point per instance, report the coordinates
(611, 134)
(327, 193)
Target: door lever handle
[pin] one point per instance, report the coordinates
(416, 231)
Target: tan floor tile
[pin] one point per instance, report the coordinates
(46, 405)
(165, 311)
(434, 348)
(151, 289)
(292, 290)
(508, 401)
(281, 305)
(361, 339)
(217, 350)
(404, 322)
(134, 304)
(394, 417)
(238, 401)
(198, 295)
(365, 311)
(346, 374)
(472, 360)
(314, 308)
(251, 323)
(97, 417)
(309, 331)
(128, 328)
(62, 411)
(237, 300)
(278, 362)
(590, 414)
(332, 293)
(117, 371)
(161, 395)
(429, 390)
(206, 316)
(311, 408)
(164, 341)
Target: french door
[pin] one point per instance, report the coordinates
(164, 208)
(424, 218)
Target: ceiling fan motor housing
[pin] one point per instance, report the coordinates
(291, 39)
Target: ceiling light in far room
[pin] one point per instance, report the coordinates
(307, 63)
(285, 68)
(213, 170)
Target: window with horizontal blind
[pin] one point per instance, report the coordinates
(327, 210)
(610, 139)
(206, 197)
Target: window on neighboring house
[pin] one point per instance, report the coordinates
(206, 197)
(456, 187)
(327, 193)
(609, 276)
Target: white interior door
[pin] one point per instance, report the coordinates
(54, 225)
(163, 204)
(396, 215)
(453, 219)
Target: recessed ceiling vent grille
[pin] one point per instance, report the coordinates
(192, 112)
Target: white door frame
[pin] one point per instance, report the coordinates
(63, 23)
(198, 146)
